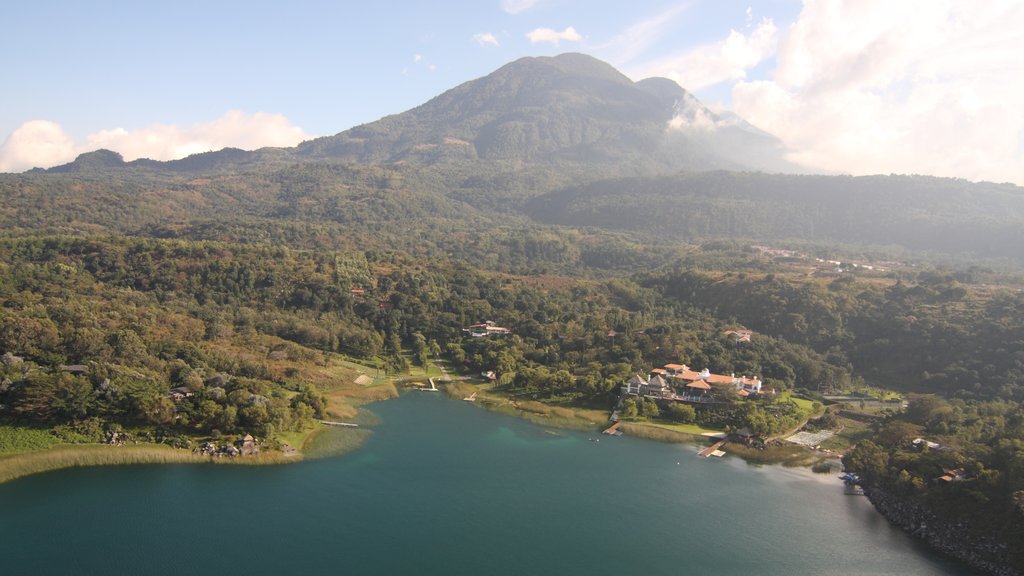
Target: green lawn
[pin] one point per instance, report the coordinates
(806, 406)
(19, 439)
(684, 428)
(297, 439)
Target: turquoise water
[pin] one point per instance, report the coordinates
(443, 487)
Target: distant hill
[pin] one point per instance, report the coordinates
(915, 212)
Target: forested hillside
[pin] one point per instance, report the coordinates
(922, 214)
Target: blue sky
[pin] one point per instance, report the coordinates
(834, 80)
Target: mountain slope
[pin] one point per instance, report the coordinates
(570, 107)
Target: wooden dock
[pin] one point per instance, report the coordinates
(710, 450)
(613, 430)
(340, 424)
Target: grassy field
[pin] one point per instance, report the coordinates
(70, 456)
(298, 439)
(851, 432)
(806, 406)
(19, 439)
(582, 419)
(16, 465)
(649, 432)
(691, 429)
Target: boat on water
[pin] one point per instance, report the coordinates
(849, 478)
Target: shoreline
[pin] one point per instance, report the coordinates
(320, 442)
(347, 403)
(14, 466)
(585, 420)
(953, 540)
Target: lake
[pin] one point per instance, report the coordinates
(443, 487)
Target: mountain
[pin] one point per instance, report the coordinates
(570, 107)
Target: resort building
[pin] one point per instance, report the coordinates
(486, 329)
(678, 382)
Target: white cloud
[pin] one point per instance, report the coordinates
(44, 144)
(517, 6)
(421, 60)
(700, 120)
(554, 36)
(911, 87)
(640, 36)
(710, 64)
(485, 38)
(36, 143)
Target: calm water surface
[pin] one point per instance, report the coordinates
(443, 487)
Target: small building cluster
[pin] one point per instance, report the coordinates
(679, 383)
(247, 446)
(487, 328)
(921, 444)
(739, 336)
(952, 475)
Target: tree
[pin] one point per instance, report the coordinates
(72, 396)
(61, 395)
(869, 460)
(681, 412)
(649, 408)
(896, 433)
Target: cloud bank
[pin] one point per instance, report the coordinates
(910, 87)
(728, 59)
(554, 36)
(42, 143)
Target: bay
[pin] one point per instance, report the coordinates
(443, 487)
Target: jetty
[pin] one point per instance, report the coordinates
(471, 397)
(339, 424)
(433, 387)
(712, 450)
(613, 430)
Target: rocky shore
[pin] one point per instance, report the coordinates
(953, 539)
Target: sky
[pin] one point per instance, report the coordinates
(854, 87)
